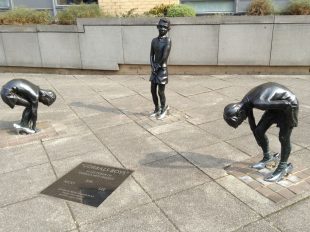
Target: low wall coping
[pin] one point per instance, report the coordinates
(152, 21)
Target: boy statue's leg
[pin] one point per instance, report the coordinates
(26, 117)
(283, 168)
(263, 142)
(163, 107)
(155, 100)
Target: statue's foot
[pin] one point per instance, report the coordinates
(163, 113)
(155, 113)
(266, 161)
(21, 129)
(279, 173)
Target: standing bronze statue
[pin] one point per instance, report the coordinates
(281, 108)
(160, 49)
(24, 93)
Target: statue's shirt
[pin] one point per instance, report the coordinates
(19, 88)
(274, 99)
(159, 45)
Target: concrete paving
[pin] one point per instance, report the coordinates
(180, 180)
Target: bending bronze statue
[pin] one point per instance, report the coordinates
(160, 49)
(24, 93)
(281, 108)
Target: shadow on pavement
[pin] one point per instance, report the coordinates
(201, 160)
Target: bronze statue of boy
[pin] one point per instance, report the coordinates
(281, 108)
(160, 49)
(24, 93)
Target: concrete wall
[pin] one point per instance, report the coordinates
(103, 44)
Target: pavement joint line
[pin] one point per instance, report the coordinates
(20, 169)
(131, 89)
(259, 219)
(73, 216)
(155, 203)
(70, 136)
(115, 214)
(182, 190)
(160, 159)
(287, 206)
(20, 201)
(190, 95)
(226, 141)
(55, 173)
(236, 197)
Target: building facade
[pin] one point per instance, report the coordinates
(140, 6)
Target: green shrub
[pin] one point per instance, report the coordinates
(260, 7)
(71, 13)
(298, 7)
(159, 10)
(181, 11)
(21, 16)
(130, 13)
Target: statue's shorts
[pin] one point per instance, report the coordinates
(283, 119)
(160, 77)
(9, 97)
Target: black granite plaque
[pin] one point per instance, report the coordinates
(89, 184)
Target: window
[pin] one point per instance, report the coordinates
(211, 6)
(70, 2)
(4, 3)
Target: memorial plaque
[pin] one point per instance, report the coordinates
(88, 183)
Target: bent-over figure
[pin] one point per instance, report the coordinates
(160, 49)
(24, 93)
(281, 108)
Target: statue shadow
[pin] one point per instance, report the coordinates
(6, 124)
(96, 107)
(201, 160)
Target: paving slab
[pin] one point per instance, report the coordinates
(72, 146)
(24, 184)
(212, 159)
(248, 145)
(120, 132)
(37, 214)
(110, 118)
(203, 114)
(182, 140)
(144, 219)
(135, 152)
(210, 204)
(159, 129)
(256, 201)
(261, 225)
(222, 128)
(89, 107)
(211, 99)
(293, 218)
(22, 156)
(168, 176)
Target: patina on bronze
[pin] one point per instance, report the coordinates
(160, 49)
(281, 108)
(24, 93)
(89, 184)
